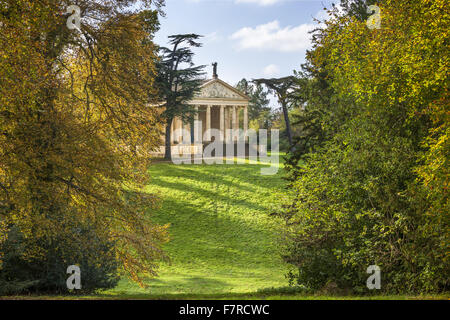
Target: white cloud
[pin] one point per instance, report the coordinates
(260, 2)
(271, 36)
(271, 70)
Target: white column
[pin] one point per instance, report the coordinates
(222, 123)
(230, 121)
(208, 123)
(245, 122)
(227, 122)
(180, 127)
(234, 122)
(197, 128)
(187, 127)
(172, 128)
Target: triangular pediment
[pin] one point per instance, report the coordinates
(218, 89)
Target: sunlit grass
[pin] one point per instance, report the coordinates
(222, 237)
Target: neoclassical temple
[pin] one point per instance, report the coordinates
(219, 106)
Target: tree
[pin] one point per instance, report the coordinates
(76, 129)
(48, 272)
(282, 87)
(372, 189)
(177, 86)
(260, 114)
(259, 101)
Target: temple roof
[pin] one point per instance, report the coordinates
(218, 89)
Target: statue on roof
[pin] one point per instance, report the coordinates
(215, 76)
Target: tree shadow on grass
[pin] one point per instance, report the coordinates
(209, 194)
(188, 285)
(237, 176)
(223, 236)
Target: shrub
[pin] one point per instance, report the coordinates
(46, 272)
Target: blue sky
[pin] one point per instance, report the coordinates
(248, 38)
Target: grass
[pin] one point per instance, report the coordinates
(222, 238)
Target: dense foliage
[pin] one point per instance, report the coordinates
(76, 130)
(370, 168)
(47, 272)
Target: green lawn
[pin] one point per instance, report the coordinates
(223, 241)
(222, 238)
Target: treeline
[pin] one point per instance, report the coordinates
(370, 168)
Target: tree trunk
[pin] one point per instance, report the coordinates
(288, 125)
(168, 151)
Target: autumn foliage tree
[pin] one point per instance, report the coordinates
(76, 130)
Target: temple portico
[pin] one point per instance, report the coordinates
(221, 117)
(219, 106)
